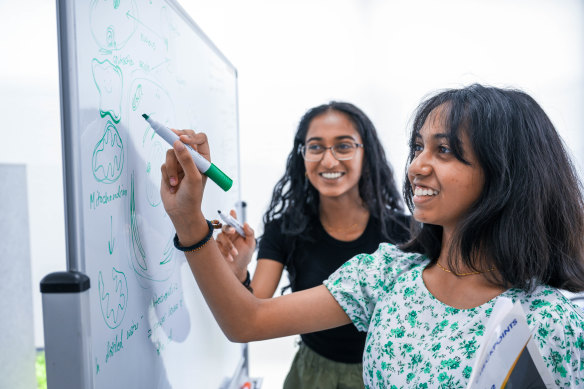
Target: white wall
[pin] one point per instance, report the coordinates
(31, 133)
(385, 56)
(382, 55)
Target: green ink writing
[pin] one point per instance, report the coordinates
(130, 332)
(160, 346)
(147, 41)
(126, 60)
(163, 297)
(114, 347)
(97, 198)
(144, 66)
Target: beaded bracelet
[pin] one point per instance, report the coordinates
(247, 282)
(196, 246)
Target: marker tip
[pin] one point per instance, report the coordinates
(145, 116)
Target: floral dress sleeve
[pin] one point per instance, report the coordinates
(558, 330)
(359, 282)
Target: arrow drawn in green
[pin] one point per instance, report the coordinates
(112, 241)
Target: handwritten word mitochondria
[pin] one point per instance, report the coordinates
(97, 198)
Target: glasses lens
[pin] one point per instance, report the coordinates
(344, 150)
(312, 152)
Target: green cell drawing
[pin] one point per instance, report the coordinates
(113, 297)
(167, 254)
(138, 248)
(152, 260)
(108, 156)
(137, 97)
(109, 81)
(156, 158)
(147, 96)
(113, 23)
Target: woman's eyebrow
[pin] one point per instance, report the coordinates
(340, 137)
(440, 136)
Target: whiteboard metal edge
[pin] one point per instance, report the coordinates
(245, 348)
(72, 190)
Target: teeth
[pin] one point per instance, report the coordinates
(331, 175)
(425, 192)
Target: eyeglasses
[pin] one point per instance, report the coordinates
(343, 151)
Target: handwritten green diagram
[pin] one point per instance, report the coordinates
(109, 82)
(108, 155)
(155, 159)
(113, 297)
(151, 259)
(112, 22)
(149, 97)
(112, 241)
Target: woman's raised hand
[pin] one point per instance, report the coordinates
(236, 249)
(182, 187)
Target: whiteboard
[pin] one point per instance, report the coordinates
(119, 59)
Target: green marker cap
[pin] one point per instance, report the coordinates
(219, 177)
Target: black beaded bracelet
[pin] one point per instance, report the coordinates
(198, 245)
(247, 282)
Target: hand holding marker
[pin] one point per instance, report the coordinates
(204, 166)
(230, 220)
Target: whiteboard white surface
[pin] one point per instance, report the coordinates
(121, 59)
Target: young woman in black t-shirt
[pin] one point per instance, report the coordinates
(337, 198)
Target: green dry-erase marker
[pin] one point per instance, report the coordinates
(204, 166)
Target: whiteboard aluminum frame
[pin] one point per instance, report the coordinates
(70, 139)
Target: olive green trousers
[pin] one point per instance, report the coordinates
(312, 371)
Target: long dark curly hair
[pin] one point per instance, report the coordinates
(296, 202)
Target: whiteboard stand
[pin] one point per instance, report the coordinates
(67, 330)
(242, 212)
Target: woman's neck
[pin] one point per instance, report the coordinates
(459, 286)
(452, 260)
(344, 218)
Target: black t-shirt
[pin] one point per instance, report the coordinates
(314, 261)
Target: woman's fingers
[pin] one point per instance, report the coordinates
(184, 158)
(249, 232)
(172, 168)
(165, 181)
(226, 247)
(198, 141)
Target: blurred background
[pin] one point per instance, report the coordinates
(381, 55)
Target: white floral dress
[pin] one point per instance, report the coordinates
(416, 341)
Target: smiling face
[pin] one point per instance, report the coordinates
(333, 178)
(444, 187)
